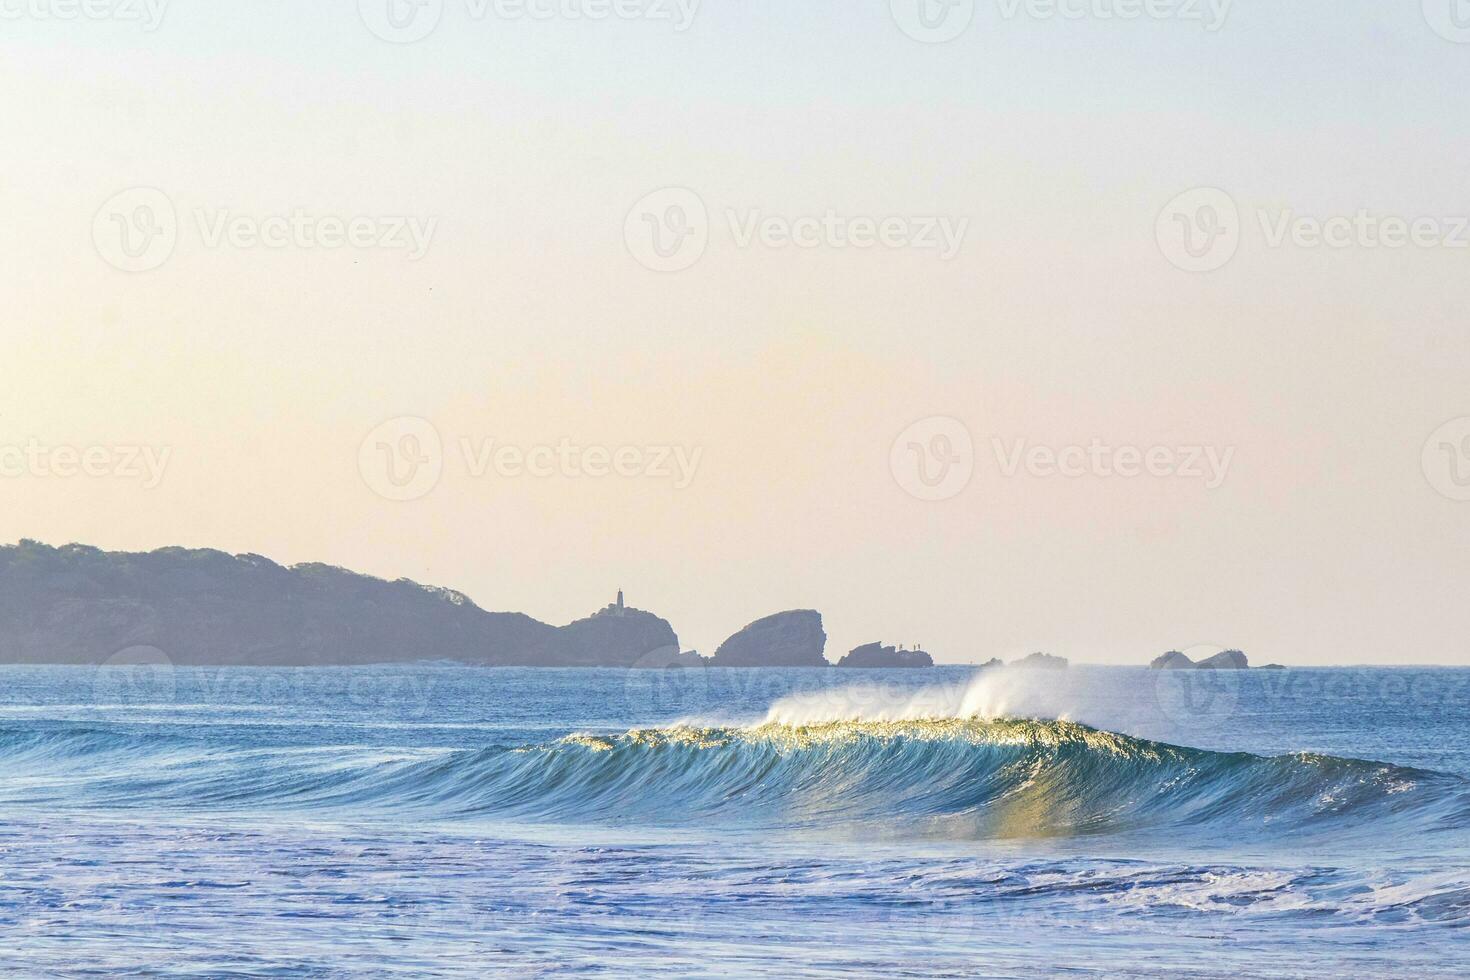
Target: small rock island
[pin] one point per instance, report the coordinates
(1228, 660)
(787, 639)
(1042, 661)
(876, 655)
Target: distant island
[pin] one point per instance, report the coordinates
(788, 639)
(1228, 660)
(1042, 661)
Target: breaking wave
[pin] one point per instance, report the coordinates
(947, 778)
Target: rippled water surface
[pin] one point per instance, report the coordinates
(440, 820)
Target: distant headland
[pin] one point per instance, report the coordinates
(81, 605)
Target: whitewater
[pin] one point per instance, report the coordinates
(440, 820)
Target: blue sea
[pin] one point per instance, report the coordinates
(450, 821)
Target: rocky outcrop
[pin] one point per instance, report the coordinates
(614, 637)
(1044, 661)
(788, 639)
(874, 655)
(1174, 660)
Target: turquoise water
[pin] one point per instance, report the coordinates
(442, 820)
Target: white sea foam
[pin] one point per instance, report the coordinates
(1236, 891)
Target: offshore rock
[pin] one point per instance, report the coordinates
(878, 655)
(788, 639)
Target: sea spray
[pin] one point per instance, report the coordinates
(993, 693)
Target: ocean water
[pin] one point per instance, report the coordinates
(442, 820)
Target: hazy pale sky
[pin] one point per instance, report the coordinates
(922, 437)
